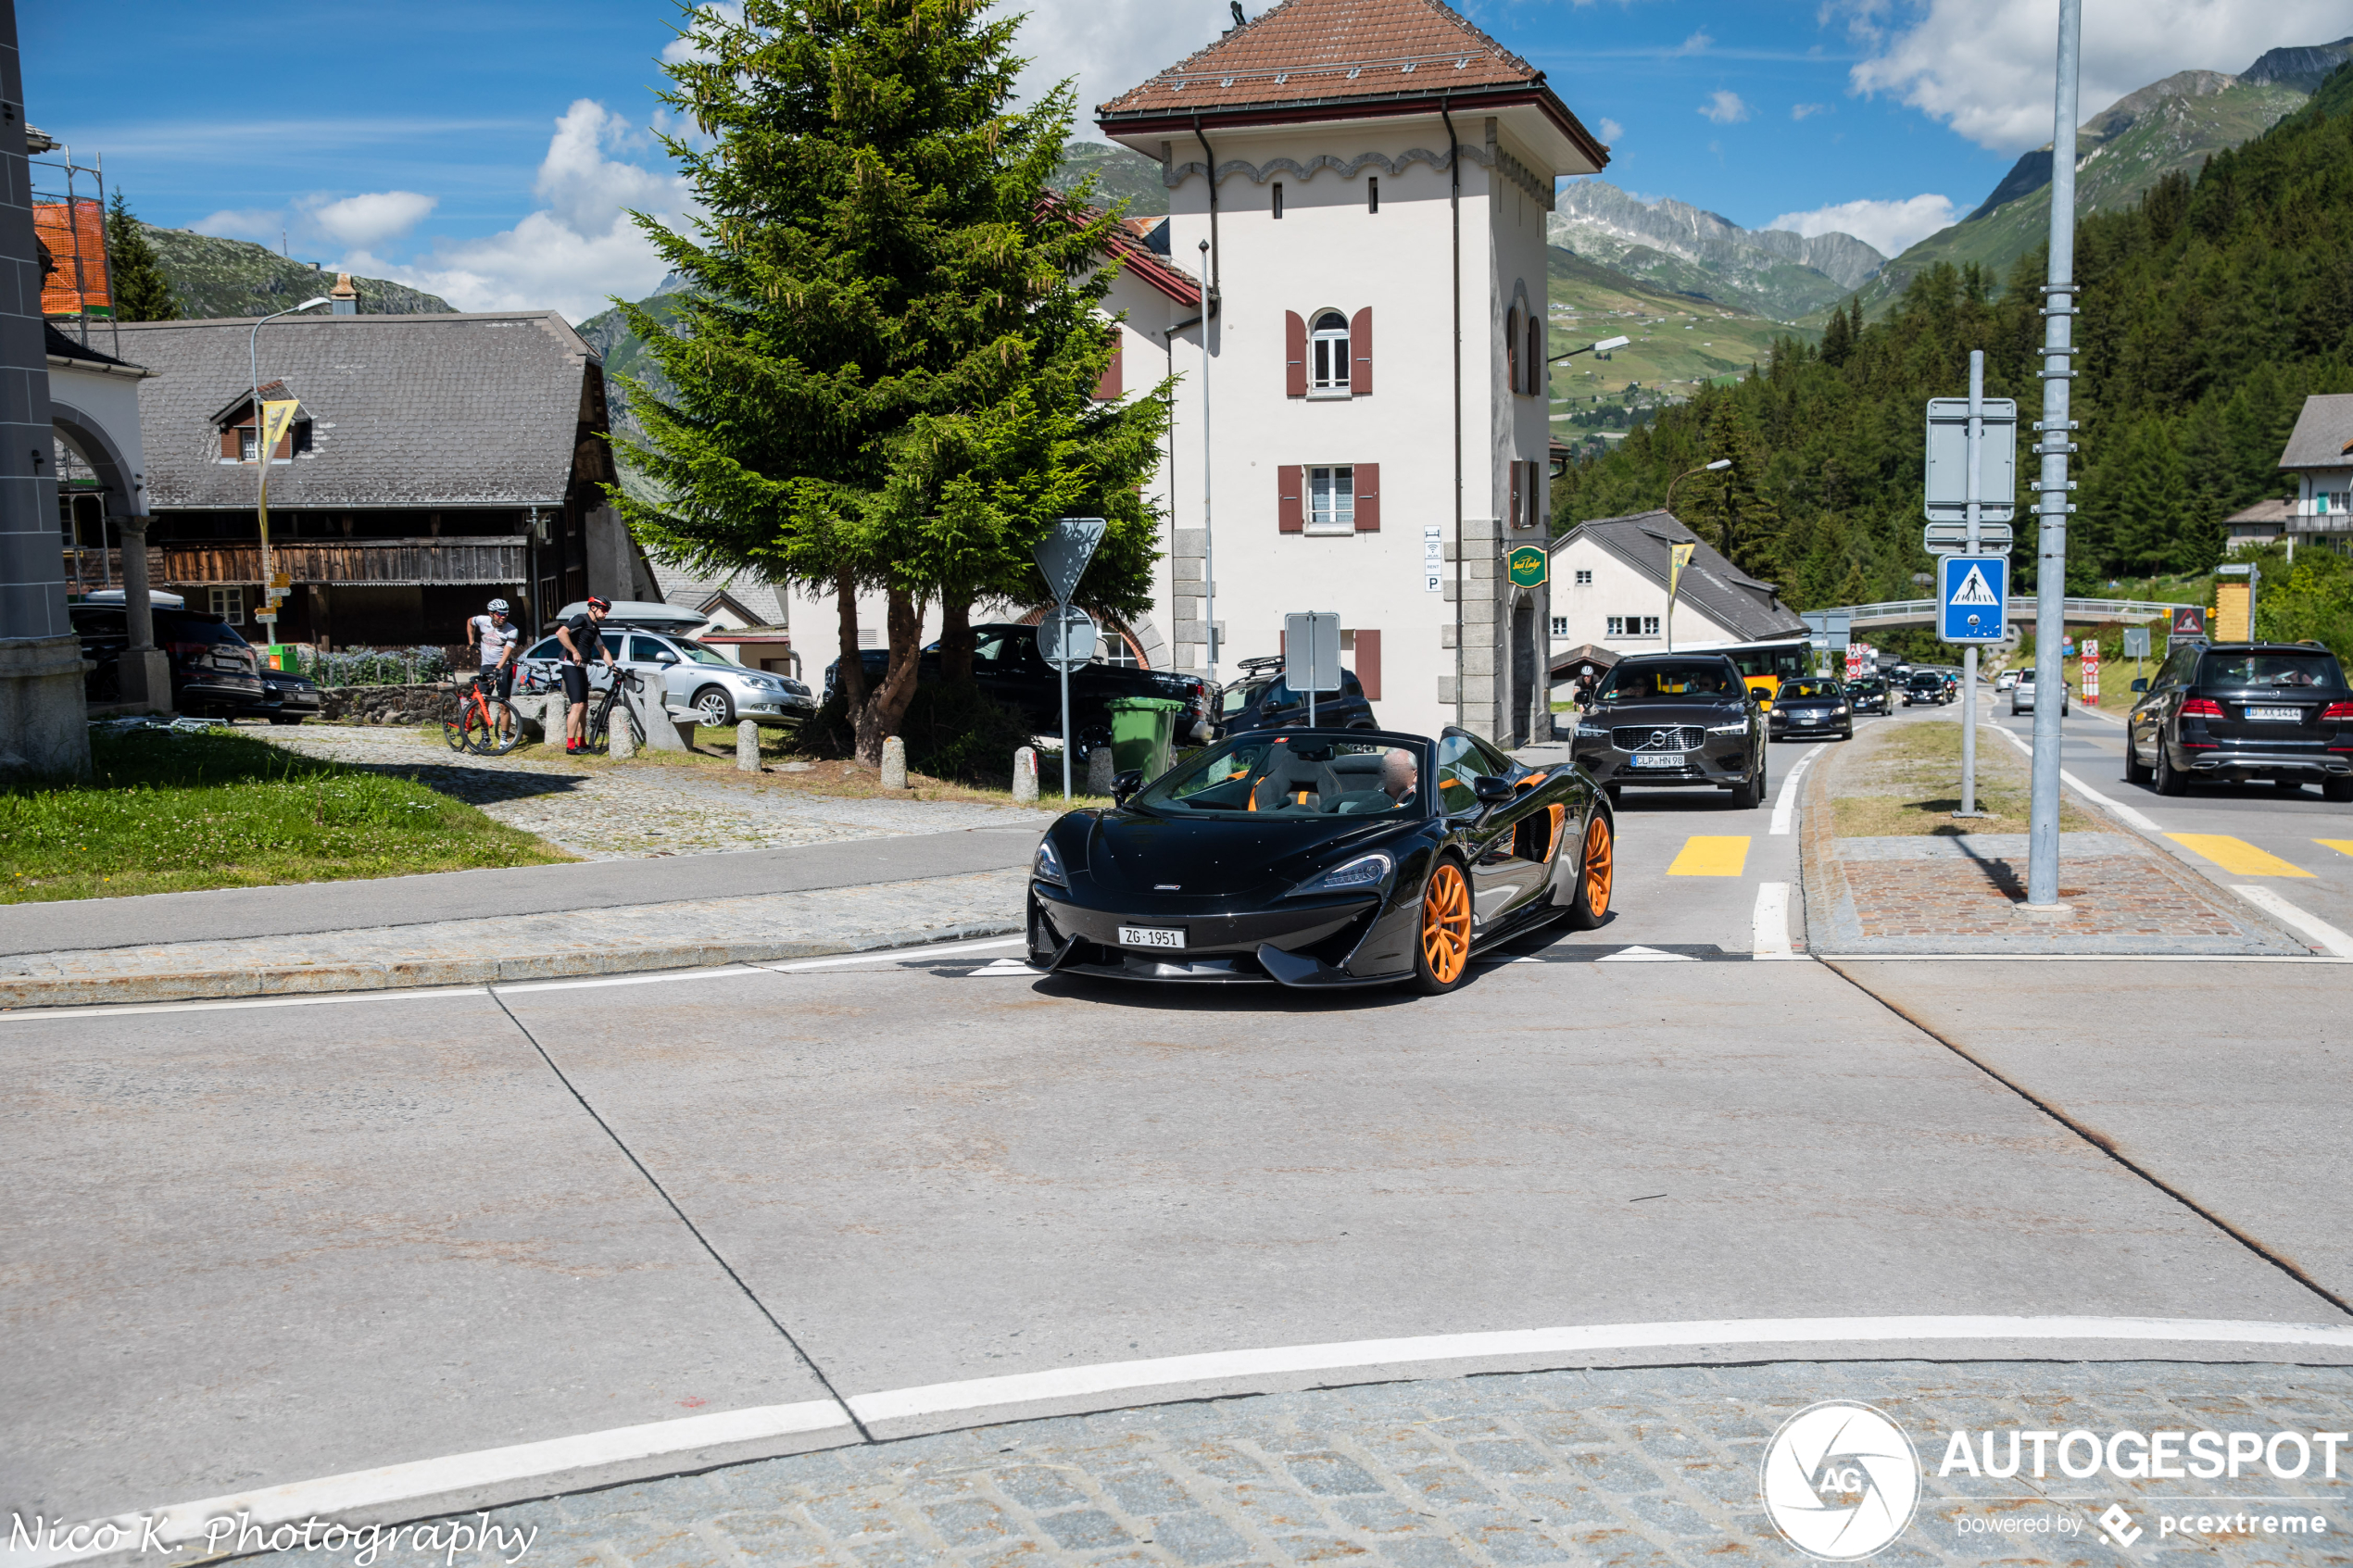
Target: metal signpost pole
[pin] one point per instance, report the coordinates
(2050, 566)
(1062, 617)
(1969, 654)
(1208, 541)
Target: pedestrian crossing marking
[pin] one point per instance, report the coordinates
(1646, 955)
(2236, 855)
(1711, 855)
(2342, 846)
(1975, 590)
(1001, 969)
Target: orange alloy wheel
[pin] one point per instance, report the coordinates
(1600, 861)
(1446, 923)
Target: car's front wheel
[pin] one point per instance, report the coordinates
(1441, 948)
(2169, 778)
(1596, 875)
(1749, 794)
(713, 708)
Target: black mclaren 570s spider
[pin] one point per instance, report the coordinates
(1321, 858)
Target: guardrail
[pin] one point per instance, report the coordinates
(2019, 611)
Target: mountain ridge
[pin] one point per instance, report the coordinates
(213, 278)
(1686, 249)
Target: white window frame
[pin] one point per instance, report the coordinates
(1631, 627)
(1336, 340)
(1560, 625)
(1584, 577)
(227, 602)
(1328, 511)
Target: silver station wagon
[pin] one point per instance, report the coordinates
(695, 680)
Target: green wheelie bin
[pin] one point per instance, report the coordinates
(1141, 729)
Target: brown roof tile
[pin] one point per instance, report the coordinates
(1305, 52)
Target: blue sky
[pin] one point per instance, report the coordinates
(485, 150)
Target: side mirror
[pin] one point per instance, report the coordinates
(665, 657)
(2141, 683)
(1125, 783)
(1493, 791)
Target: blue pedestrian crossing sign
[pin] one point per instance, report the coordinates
(1969, 598)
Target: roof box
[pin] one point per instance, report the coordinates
(156, 598)
(651, 614)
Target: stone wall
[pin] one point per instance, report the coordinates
(386, 705)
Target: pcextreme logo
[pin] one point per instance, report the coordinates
(1840, 1481)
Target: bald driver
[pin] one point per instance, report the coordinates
(1399, 776)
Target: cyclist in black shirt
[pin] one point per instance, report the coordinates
(578, 636)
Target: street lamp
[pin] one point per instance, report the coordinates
(1717, 467)
(267, 614)
(1602, 347)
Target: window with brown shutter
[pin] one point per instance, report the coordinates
(233, 444)
(1291, 516)
(1368, 663)
(1294, 354)
(1360, 353)
(1511, 348)
(1535, 355)
(1367, 497)
(1110, 384)
(1515, 511)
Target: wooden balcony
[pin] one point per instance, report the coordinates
(346, 562)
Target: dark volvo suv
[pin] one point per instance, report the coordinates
(2238, 711)
(1680, 720)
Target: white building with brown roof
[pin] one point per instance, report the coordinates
(1364, 184)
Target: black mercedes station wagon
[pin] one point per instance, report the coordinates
(2243, 712)
(1675, 721)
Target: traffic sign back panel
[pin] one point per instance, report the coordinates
(1971, 595)
(1947, 476)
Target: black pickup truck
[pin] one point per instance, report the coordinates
(1006, 665)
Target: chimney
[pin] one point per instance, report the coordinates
(346, 298)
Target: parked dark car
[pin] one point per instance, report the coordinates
(1321, 859)
(2241, 712)
(1926, 688)
(288, 696)
(1868, 694)
(1261, 700)
(1811, 704)
(1007, 666)
(215, 672)
(1675, 721)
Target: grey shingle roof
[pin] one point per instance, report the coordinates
(437, 410)
(1713, 586)
(757, 596)
(2323, 432)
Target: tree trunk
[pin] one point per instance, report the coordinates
(850, 674)
(879, 718)
(955, 639)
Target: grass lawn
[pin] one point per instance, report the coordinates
(1910, 783)
(168, 812)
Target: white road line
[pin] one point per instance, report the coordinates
(652, 977)
(1638, 954)
(2318, 931)
(340, 1495)
(549, 1463)
(126, 1009)
(896, 955)
(2086, 791)
(2077, 958)
(1005, 969)
(1785, 804)
(1770, 926)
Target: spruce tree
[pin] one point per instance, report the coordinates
(140, 290)
(885, 361)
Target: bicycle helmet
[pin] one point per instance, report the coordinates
(597, 602)
(497, 606)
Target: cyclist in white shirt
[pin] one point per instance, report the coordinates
(497, 639)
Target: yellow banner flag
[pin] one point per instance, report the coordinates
(1681, 555)
(276, 418)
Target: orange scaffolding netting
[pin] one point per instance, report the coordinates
(75, 235)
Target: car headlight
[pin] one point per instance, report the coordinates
(1838, 710)
(1739, 729)
(1046, 866)
(1592, 732)
(1360, 875)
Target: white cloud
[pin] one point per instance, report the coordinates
(1807, 111)
(572, 253)
(679, 49)
(1985, 67)
(371, 219)
(1611, 131)
(1111, 45)
(1724, 106)
(1696, 45)
(1888, 227)
(242, 223)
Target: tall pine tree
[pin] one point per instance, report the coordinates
(135, 273)
(885, 359)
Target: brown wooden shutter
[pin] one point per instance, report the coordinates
(1535, 355)
(1511, 348)
(1109, 385)
(1294, 354)
(1360, 353)
(1368, 663)
(229, 443)
(1368, 497)
(1290, 515)
(1535, 495)
(1515, 513)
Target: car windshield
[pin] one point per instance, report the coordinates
(2314, 671)
(1241, 693)
(1697, 681)
(1300, 773)
(186, 628)
(699, 653)
(1798, 691)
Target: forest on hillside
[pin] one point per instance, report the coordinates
(2208, 312)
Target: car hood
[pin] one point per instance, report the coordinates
(1662, 713)
(1128, 851)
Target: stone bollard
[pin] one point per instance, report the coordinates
(1100, 766)
(1026, 776)
(747, 747)
(894, 766)
(622, 745)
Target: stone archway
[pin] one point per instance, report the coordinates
(92, 444)
(1524, 683)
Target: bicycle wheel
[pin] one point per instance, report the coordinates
(453, 729)
(493, 730)
(594, 736)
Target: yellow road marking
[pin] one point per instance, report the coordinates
(2342, 846)
(2236, 855)
(1711, 855)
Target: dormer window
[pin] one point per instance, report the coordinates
(235, 424)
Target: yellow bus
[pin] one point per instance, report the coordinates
(1763, 665)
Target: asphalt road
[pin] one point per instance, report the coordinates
(255, 1244)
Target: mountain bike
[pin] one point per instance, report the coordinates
(483, 723)
(595, 735)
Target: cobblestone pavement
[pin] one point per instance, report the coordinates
(1619, 1467)
(615, 811)
(675, 934)
(1927, 894)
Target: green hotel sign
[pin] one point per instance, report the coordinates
(1530, 565)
